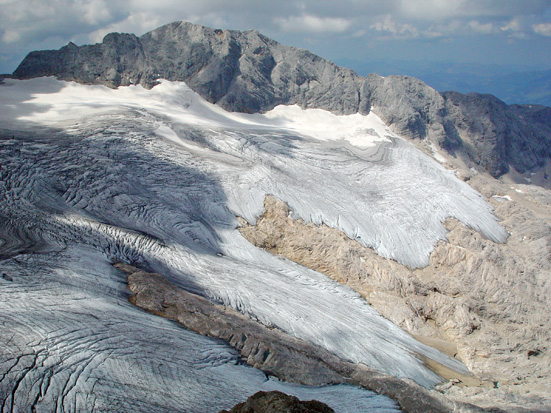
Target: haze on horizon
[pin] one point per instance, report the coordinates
(418, 37)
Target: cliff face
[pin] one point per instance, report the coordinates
(497, 135)
(248, 72)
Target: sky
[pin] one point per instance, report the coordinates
(502, 32)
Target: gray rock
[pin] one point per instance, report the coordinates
(498, 135)
(248, 72)
(276, 401)
(412, 107)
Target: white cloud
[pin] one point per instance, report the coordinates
(11, 36)
(396, 30)
(468, 9)
(512, 25)
(135, 23)
(429, 9)
(543, 29)
(518, 28)
(96, 12)
(35, 20)
(432, 34)
(483, 28)
(313, 24)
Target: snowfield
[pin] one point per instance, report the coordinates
(91, 176)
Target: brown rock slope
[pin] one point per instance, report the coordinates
(487, 303)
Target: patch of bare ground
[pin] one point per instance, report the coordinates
(275, 402)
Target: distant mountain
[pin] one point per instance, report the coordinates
(248, 72)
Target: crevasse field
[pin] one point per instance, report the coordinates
(91, 176)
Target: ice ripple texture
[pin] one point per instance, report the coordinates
(91, 175)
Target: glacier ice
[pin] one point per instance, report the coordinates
(92, 175)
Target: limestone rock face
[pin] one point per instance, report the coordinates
(489, 301)
(248, 72)
(412, 107)
(498, 136)
(241, 71)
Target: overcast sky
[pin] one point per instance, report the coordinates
(484, 31)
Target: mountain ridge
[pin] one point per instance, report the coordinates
(512, 83)
(248, 72)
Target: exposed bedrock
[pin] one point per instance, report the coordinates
(275, 402)
(489, 301)
(271, 350)
(248, 72)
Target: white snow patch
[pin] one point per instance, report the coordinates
(54, 101)
(435, 153)
(502, 197)
(363, 131)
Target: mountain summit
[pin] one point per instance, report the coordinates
(248, 72)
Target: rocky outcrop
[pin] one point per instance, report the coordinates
(276, 402)
(498, 136)
(248, 72)
(489, 301)
(266, 349)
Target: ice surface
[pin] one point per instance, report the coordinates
(92, 175)
(70, 339)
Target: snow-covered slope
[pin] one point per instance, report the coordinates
(156, 177)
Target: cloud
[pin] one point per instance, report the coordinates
(512, 25)
(36, 20)
(432, 34)
(135, 23)
(483, 28)
(543, 29)
(313, 24)
(11, 36)
(390, 26)
(428, 9)
(96, 12)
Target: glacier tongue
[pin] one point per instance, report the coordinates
(156, 177)
(70, 339)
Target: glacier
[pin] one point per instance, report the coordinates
(92, 175)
